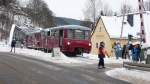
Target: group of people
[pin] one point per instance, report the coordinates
(129, 51)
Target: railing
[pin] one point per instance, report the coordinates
(137, 66)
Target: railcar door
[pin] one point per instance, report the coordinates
(61, 38)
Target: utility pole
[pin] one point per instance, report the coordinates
(142, 30)
(94, 12)
(122, 25)
(141, 10)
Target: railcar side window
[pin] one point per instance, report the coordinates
(55, 33)
(52, 33)
(61, 33)
(42, 33)
(70, 34)
(48, 33)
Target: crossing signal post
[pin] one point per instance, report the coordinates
(130, 37)
(141, 10)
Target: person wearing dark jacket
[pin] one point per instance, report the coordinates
(136, 53)
(125, 52)
(101, 55)
(13, 45)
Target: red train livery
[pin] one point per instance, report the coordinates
(72, 39)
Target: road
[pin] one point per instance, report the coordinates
(17, 69)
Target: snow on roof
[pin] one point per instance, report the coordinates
(29, 30)
(113, 26)
(70, 27)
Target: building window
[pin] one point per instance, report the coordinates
(100, 29)
(96, 45)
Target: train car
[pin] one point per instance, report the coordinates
(72, 39)
(33, 40)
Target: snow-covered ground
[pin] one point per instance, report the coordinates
(40, 55)
(85, 59)
(132, 76)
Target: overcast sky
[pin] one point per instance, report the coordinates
(74, 8)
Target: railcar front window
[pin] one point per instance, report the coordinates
(87, 34)
(79, 34)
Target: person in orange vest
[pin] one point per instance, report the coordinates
(101, 55)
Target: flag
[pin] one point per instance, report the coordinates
(130, 19)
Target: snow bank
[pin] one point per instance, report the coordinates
(41, 55)
(3, 43)
(133, 76)
(107, 60)
(85, 59)
(3, 46)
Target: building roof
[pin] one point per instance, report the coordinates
(113, 26)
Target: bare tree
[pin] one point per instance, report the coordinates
(107, 11)
(147, 5)
(126, 8)
(94, 8)
(8, 9)
(36, 10)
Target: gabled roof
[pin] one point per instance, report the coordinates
(113, 26)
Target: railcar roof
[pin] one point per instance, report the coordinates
(69, 27)
(29, 30)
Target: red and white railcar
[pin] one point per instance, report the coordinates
(72, 39)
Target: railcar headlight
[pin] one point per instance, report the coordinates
(68, 43)
(90, 44)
